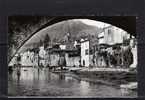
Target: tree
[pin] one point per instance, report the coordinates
(46, 40)
(55, 40)
(40, 43)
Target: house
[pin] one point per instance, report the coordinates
(72, 57)
(133, 44)
(67, 50)
(42, 56)
(28, 58)
(62, 46)
(111, 47)
(85, 48)
(112, 35)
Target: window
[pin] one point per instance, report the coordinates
(91, 51)
(109, 31)
(86, 51)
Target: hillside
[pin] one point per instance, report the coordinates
(77, 29)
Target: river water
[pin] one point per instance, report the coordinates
(34, 82)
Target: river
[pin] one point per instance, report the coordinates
(38, 83)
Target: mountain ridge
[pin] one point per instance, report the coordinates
(58, 31)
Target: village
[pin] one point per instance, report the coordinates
(112, 48)
(110, 57)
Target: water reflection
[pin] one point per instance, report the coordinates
(84, 87)
(41, 82)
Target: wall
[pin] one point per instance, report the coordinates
(91, 60)
(101, 38)
(84, 56)
(133, 44)
(109, 35)
(29, 59)
(113, 35)
(72, 61)
(54, 59)
(62, 47)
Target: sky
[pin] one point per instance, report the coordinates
(94, 23)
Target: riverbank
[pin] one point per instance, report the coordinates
(110, 76)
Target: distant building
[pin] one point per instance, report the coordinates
(115, 49)
(85, 48)
(112, 35)
(42, 56)
(67, 50)
(75, 44)
(133, 44)
(72, 57)
(63, 47)
(28, 59)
